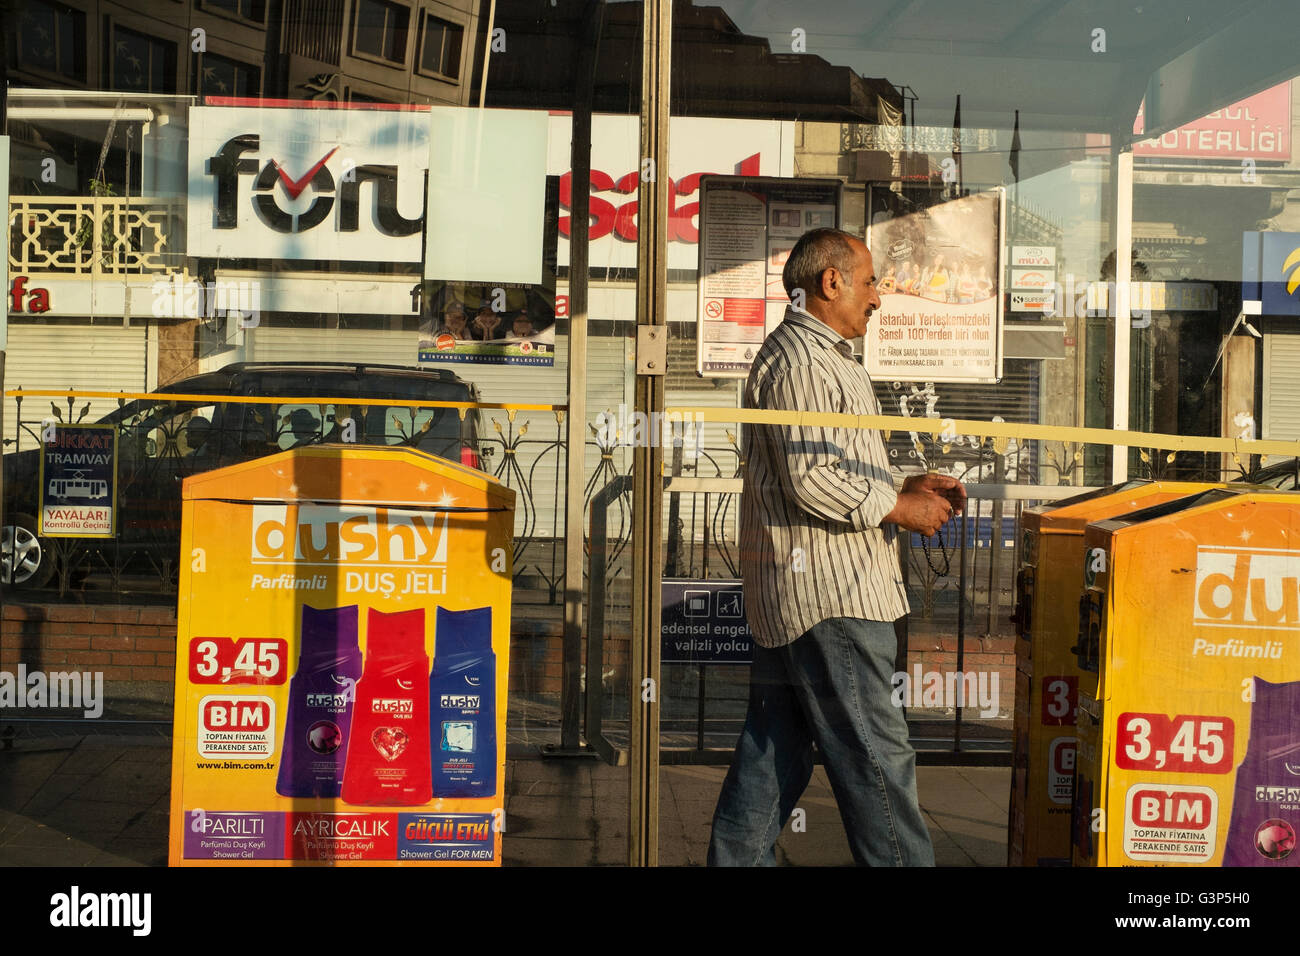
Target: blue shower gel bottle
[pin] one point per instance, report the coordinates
(462, 705)
(321, 696)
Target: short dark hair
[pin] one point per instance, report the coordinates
(814, 253)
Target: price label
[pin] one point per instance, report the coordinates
(243, 660)
(1060, 700)
(1181, 744)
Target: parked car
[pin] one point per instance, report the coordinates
(1283, 475)
(163, 440)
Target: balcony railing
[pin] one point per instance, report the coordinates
(95, 235)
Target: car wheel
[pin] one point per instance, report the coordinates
(26, 559)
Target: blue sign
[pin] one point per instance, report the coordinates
(78, 481)
(703, 622)
(1270, 271)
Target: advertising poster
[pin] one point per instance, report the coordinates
(78, 482)
(1193, 753)
(342, 652)
(748, 225)
(937, 267)
(494, 323)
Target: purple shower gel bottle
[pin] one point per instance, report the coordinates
(321, 695)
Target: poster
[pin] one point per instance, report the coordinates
(748, 226)
(937, 266)
(343, 639)
(78, 482)
(494, 323)
(491, 325)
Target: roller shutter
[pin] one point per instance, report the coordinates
(94, 357)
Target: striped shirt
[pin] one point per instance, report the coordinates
(811, 544)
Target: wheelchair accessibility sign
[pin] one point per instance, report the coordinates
(703, 622)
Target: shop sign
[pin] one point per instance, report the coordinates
(1258, 127)
(1270, 273)
(700, 146)
(307, 183)
(34, 299)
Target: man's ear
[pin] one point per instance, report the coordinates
(830, 283)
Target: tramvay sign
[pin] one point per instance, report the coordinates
(307, 184)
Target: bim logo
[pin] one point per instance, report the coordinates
(324, 534)
(1249, 589)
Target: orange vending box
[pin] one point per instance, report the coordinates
(343, 635)
(1048, 676)
(1189, 750)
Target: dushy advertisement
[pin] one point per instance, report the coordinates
(342, 658)
(1189, 751)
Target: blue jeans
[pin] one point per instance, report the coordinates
(831, 686)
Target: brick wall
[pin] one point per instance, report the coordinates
(134, 647)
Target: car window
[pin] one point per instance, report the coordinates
(169, 430)
(302, 424)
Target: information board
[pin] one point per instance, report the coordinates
(748, 225)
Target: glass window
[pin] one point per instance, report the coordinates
(219, 76)
(244, 9)
(141, 63)
(440, 47)
(380, 30)
(51, 37)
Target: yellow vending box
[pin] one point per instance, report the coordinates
(343, 635)
(1048, 676)
(1189, 751)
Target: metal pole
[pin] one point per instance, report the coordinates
(575, 457)
(961, 626)
(1122, 169)
(647, 472)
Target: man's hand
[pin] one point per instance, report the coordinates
(926, 502)
(944, 486)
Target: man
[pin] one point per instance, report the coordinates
(819, 519)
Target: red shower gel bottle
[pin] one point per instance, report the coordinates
(388, 750)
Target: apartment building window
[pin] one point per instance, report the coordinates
(380, 30)
(254, 10)
(50, 37)
(141, 63)
(440, 44)
(219, 76)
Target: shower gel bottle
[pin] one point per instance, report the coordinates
(462, 696)
(321, 696)
(388, 755)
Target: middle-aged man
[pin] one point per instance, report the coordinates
(819, 519)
